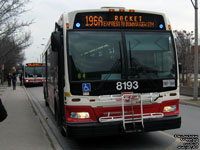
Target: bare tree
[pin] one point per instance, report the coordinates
(10, 11)
(184, 41)
(13, 38)
(13, 49)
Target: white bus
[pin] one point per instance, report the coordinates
(34, 74)
(112, 71)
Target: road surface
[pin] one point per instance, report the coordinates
(164, 140)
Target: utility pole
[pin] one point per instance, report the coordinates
(196, 57)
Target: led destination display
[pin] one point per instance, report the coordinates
(118, 20)
(34, 64)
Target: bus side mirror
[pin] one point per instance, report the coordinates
(180, 67)
(56, 41)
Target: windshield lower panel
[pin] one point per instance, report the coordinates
(104, 58)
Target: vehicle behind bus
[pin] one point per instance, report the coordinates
(33, 74)
(112, 71)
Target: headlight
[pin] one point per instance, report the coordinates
(169, 108)
(79, 115)
(26, 81)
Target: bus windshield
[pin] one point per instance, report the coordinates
(116, 55)
(34, 71)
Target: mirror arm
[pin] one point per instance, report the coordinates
(58, 27)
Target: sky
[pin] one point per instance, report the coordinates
(45, 13)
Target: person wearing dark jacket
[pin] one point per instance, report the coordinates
(21, 79)
(14, 80)
(9, 77)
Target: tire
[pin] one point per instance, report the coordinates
(63, 132)
(45, 97)
(57, 116)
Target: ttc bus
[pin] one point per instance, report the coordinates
(34, 74)
(112, 71)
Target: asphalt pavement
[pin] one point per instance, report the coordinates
(23, 129)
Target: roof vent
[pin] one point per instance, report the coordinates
(112, 7)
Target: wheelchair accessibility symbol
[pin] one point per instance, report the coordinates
(86, 87)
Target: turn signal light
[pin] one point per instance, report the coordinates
(172, 94)
(76, 100)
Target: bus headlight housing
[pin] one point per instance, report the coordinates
(169, 108)
(79, 115)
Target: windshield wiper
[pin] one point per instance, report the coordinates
(118, 61)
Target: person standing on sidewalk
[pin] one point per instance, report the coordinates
(21, 78)
(14, 80)
(9, 79)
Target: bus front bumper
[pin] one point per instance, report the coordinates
(116, 128)
(33, 83)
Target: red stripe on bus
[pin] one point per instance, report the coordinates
(99, 111)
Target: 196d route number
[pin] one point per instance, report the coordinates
(127, 85)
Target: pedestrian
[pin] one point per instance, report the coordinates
(21, 78)
(3, 112)
(9, 77)
(14, 80)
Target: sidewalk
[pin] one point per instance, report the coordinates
(188, 100)
(22, 129)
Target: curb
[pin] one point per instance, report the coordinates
(43, 120)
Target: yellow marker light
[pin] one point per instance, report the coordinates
(79, 75)
(67, 25)
(79, 115)
(169, 27)
(169, 108)
(67, 94)
(131, 10)
(84, 76)
(111, 10)
(121, 10)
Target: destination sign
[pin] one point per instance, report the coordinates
(35, 64)
(118, 20)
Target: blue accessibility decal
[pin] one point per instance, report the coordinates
(86, 87)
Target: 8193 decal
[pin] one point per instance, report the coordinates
(127, 85)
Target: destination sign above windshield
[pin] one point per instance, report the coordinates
(118, 20)
(34, 65)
